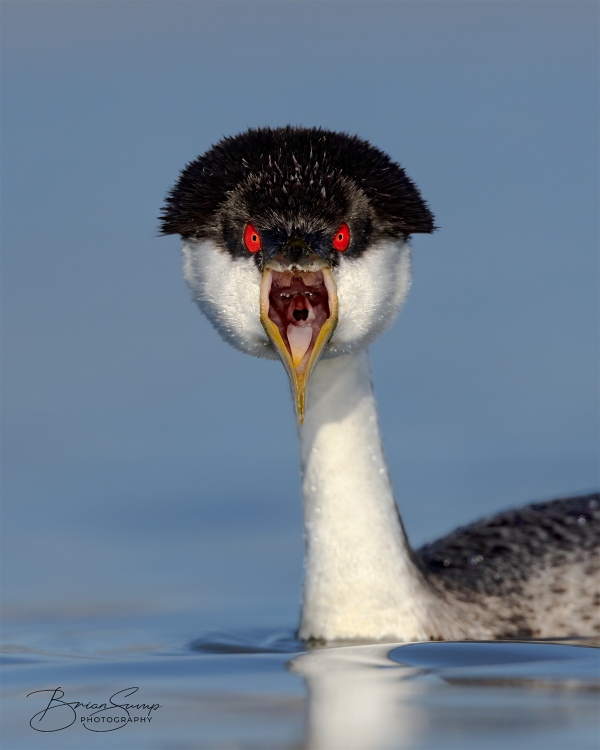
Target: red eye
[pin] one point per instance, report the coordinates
(252, 239)
(341, 239)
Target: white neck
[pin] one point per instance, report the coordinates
(360, 579)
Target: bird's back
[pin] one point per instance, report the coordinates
(535, 569)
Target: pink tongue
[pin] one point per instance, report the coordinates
(299, 338)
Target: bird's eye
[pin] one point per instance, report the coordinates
(341, 239)
(251, 239)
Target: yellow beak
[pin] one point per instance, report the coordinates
(299, 364)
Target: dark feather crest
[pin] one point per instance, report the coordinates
(315, 158)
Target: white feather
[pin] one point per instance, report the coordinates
(371, 289)
(360, 581)
(227, 290)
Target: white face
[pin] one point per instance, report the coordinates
(370, 288)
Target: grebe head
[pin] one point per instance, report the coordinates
(295, 243)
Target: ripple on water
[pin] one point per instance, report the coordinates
(261, 687)
(570, 664)
(251, 641)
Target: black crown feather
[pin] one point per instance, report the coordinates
(319, 158)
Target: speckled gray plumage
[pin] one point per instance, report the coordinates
(536, 568)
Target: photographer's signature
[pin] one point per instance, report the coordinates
(96, 717)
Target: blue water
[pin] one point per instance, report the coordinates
(260, 688)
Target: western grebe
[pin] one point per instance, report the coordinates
(296, 244)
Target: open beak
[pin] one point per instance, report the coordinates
(299, 312)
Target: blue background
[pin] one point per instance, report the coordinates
(147, 466)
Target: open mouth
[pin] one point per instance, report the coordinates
(298, 310)
(298, 305)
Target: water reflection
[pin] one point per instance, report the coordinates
(357, 699)
(430, 694)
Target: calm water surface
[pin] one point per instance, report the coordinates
(262, 688)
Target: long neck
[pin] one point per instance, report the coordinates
(360, 578)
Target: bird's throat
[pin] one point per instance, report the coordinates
(361, 581)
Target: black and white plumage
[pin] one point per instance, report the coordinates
(295, 244)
